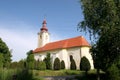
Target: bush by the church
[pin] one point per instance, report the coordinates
(47, 60)
(41, 65)
(84, 64)
(62, 65)
(72, 65)
(57, 64)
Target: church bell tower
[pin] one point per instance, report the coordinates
(43, 35)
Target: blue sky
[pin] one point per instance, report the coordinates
(21, 20)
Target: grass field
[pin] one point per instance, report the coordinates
(80, 75)
(7, 74)
(60, 72)
(55, 73)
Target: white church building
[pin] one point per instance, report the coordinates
(63, 49)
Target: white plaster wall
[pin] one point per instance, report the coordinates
(64, 54)
(85, 52)
(65, 58)
(75, 52)
(39, 56)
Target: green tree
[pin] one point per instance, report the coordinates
(30, 60)
(1, 60)
(84, 64)
(4, 50)
(48, 61)
(56, 64)
(102, 18)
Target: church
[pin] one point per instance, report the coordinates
(77, 47)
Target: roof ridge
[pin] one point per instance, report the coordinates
(65, 39)
(66, 43)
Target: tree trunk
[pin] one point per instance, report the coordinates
(98, 74)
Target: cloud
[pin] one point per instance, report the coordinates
(20, 42)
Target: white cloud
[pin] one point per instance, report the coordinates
(19, 42)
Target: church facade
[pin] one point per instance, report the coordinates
(76, 47)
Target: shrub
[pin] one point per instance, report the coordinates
(84, 64)
(24, 74)
(62, 64)
(41, 65)
(73, 65)
(30, 60)
(57, 64)
(47, 60)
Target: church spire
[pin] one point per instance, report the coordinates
(44, 27)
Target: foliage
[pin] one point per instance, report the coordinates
(84, 64)
(57, 64)
(6, 54)
(41, 65)
(72, 63)
(1, 60)
(113, 72)
(48, 61)
(6, 74)
(99, 15)
(102, 18)
(14, 65)
(30, 60)
(16, 74)
(24, 74)
(20, 64)
(62, 64)
(108, 48)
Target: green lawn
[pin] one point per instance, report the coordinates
(59, 72)
(80, 74)
(6, 74)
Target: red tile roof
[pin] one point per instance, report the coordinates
(67, 43)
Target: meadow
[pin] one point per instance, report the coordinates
(19, 74)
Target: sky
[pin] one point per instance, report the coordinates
(21, 20)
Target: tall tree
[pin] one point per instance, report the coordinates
(100, 15)
(102, 18)
(4, 50)
(30, 60)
